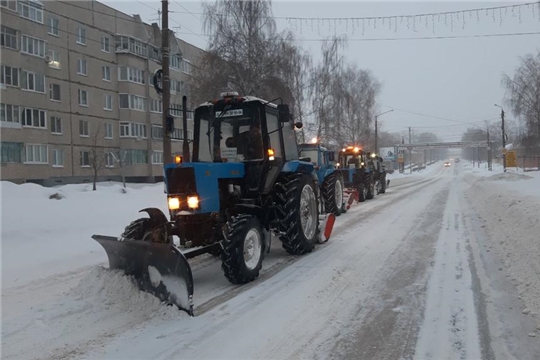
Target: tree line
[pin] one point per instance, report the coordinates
(335, 100)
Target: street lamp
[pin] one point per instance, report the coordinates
(376, 128)
(503, 135)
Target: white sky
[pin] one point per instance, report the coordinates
(453, 79)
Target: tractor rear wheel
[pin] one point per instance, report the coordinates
(370, 190)
(332, 192)
(243, 249)
(383, 185)
(362, 192)
(297, 213)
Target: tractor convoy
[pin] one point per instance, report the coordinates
(246, 182)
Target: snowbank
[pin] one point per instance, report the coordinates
(65, 327)
(509, 205)
(42, 236)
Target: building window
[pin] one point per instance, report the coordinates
(107, 102)
(9, 115)
(54, 59)
(157, 157)
(132, 45)
(157, 132)
(176, 60)
(53, 26)
(36, 154)
(56, 125)
(153, 53)
(34, 118)
(134, 102)
(126, 73)
(9, 37)
(57, 158)
(9, 75)
(83, 128)
(32, 46)
(54, 92)
(176, 86)
(186, 66)
(106, 73)
(33, 82)
(135, 130)
(176, 110)
(9, 4)
(105, 44)
(109, 131)
(81, 67)
(109, 160)
(84, 159)
(81, 36)
(83, 98)
(136, 157)
(31, 10)
(11, 152)
(156, 106)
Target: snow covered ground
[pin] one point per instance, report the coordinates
(444, 265)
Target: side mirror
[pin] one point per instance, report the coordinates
(298, 125)
(284, 113)
(331, 156)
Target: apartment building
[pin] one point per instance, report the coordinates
(77, 93)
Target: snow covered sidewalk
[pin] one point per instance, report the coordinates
(509, 206)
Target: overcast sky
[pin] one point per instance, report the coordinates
(449, 81)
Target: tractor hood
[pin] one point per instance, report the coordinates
(201, 180)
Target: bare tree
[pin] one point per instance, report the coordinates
(523, 94)
(244, 50)
(97, 155)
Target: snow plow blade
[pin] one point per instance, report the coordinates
(160, 269)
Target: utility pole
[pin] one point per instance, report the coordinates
(489, 151)
(410, 152)
(503, 136)
(166, 95)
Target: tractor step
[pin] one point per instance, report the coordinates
(160, 269)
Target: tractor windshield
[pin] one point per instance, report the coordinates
(234, 137)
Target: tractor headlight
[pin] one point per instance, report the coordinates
(193, 202)
(271, 154)
(174, 203)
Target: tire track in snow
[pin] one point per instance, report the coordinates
(450, 327)
(386, 326)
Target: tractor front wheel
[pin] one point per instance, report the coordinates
(370, 190)
(362, 192)
(243, 249)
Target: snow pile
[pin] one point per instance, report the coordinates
(511, 215)
(43, 236)
(508, 176)
(112, 289)
(66, 328)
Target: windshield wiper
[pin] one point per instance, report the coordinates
(225, 109)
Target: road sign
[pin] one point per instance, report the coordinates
(504, 151)
(409, 148)
(511, 158)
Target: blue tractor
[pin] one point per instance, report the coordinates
(330, 179)
(358, 176)
(244, 182)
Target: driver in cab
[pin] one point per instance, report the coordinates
(250, 143)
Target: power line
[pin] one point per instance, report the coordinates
(388, 16)
(189, 12)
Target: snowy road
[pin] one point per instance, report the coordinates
(409, 275)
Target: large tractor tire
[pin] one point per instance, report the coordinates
(383, 185)
(332, 194)
(370, 189)
(362, 192)
(243, 249)
(297, 212)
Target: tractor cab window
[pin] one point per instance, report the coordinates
(239, 135)
(313, 154)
